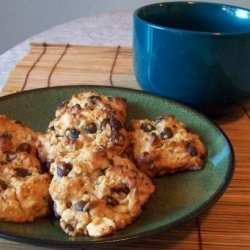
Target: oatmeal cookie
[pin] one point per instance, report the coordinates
(88, 122)
(164, 146)
(24, 189)
(89, 105)
(98, 200)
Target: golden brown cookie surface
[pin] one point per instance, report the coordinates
(88, 122)
(24, 194)
(164, 146)
(98, 200)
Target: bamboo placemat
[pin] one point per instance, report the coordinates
(224, 226)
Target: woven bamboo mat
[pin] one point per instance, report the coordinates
(224, 226)
(54, 65)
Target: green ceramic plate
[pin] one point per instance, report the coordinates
(177, 198)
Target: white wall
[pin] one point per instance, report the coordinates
(20, 19)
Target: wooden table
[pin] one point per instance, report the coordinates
(226, 225)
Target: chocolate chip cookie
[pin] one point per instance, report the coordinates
(164, 146)
(98, 200)
(87, 122)
(24, 189)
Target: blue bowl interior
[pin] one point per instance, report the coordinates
(197, 16)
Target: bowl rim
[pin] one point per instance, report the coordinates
(136, 17)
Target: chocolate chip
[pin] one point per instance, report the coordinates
(111, 161)
(166, 133)
(93, 99)
(129, 151)
(52, 128)
(90, 128)
(74, 133)
(24, 147)
(147, 127)
(20, 123)
(192, 150)
(117, 138)
(63, 169)
(6, 142)
(79, 206)
(69, 227)
(62, 105)
(6, 135)
(3, 184)
(115, 124)
(121, 188)
(104, 123)
(22, 172)
(102, 172)
(76, 107)
(68, 204)
(110, 201)
(130, 128)
(45, 166)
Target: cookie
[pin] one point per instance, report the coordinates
(24, 189)
(88, 122)
(89, 105)
(164, 146)
(98, 200)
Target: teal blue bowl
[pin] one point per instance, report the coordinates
(193, 52)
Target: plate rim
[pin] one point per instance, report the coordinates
(194, 213)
